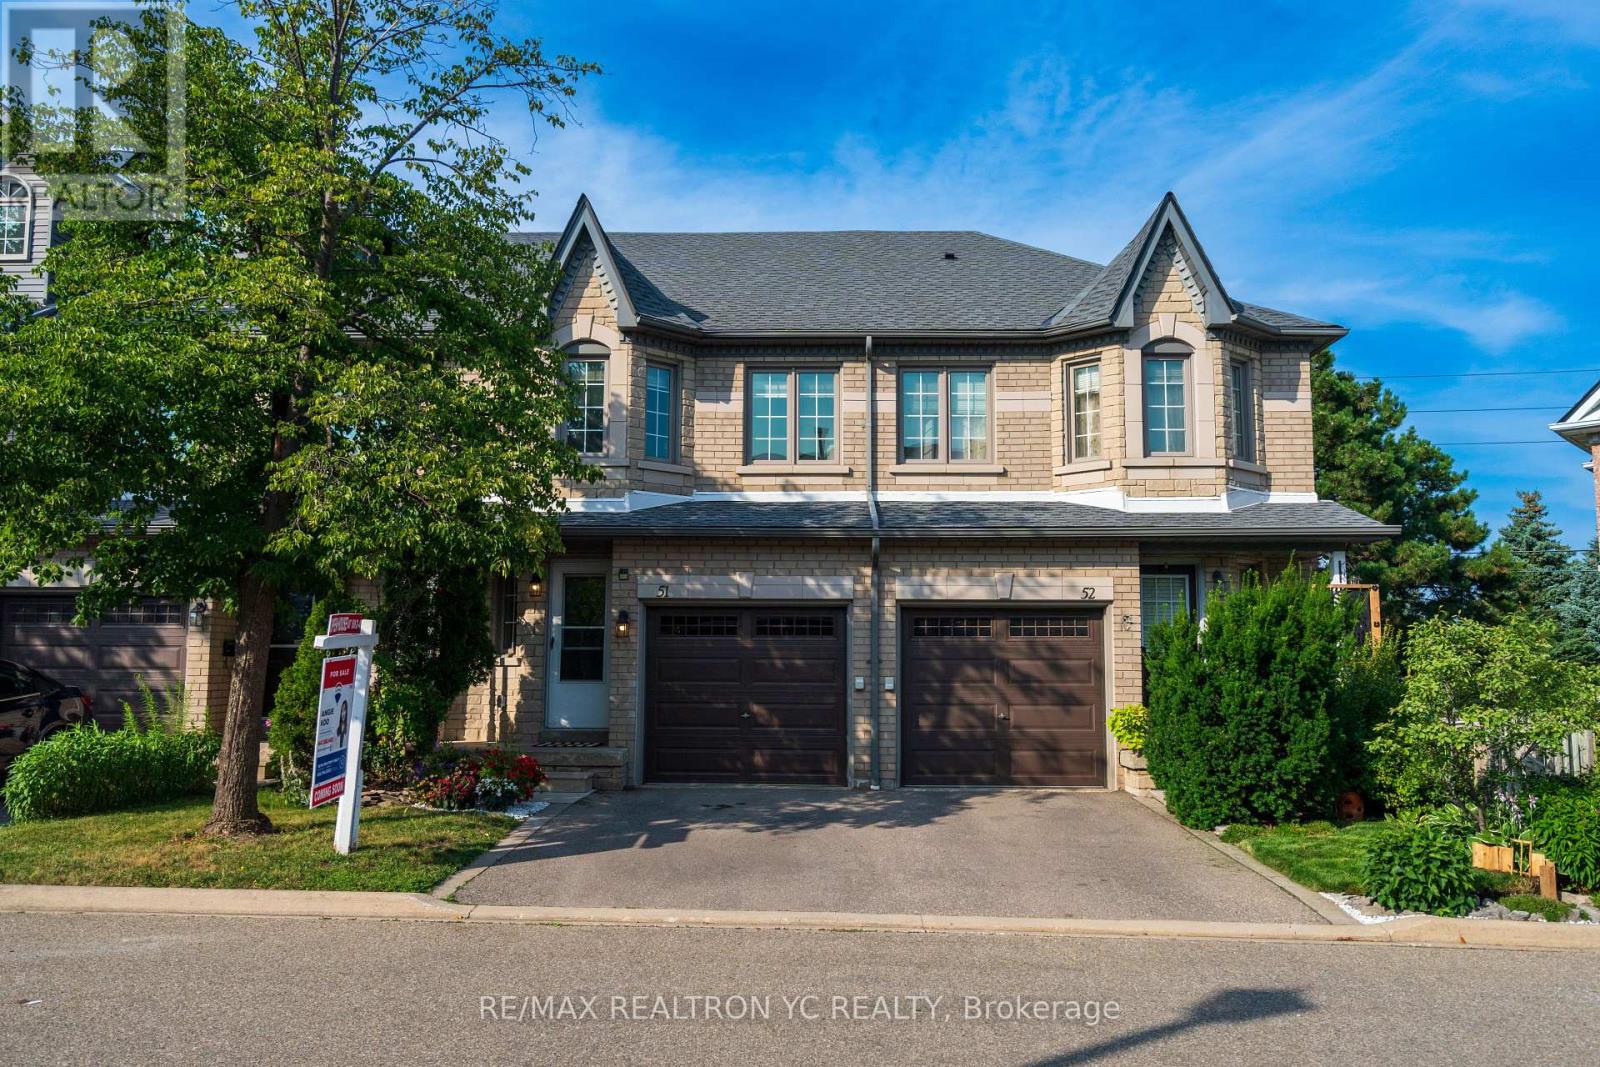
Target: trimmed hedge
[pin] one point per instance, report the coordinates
(86, 770)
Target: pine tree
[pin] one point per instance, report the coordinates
(1578, 611)
(1540, 563)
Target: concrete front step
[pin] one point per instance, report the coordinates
(569, 779)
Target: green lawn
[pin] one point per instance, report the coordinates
(401, 849)
(1318, 855)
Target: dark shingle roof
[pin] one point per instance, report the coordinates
(1321, 519)
(863, 281)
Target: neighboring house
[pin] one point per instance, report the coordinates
(1581, 426)
(894, 508)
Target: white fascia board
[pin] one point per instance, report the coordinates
(1112, 499)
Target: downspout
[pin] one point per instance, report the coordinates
(874, 667)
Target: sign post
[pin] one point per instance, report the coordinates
(341, 723)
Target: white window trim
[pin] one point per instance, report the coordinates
(26, 200)
(674, 411)
(1243, 410)
(943, 459)
(580, 356)
(792, 420)
(1070, 454)
(1188, 361)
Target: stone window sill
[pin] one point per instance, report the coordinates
(815, 470)
(1169, 462)
(1087, 466)
(664, 467)
(1248, 465)
(989, 469)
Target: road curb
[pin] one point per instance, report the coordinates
(419, 907)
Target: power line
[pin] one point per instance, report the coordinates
(1434, 411)
(1479, 374)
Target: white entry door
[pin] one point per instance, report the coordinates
(576, 698)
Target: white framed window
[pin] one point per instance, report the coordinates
(1242, 395)
(587, 430)
(944, 412)
(1166, 404)
(1165, 592)
(794, 416)
(660, 412)
(1083, 411)
(16, 216)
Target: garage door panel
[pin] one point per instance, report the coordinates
(939, 719)
(1043, 720)
(699, 666)
(105, 659)
(771, 681)
(1007, 698)
(812, 664)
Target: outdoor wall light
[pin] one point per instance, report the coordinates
(1219, 582)
(536, 586)
(622, 624)
(197, 613)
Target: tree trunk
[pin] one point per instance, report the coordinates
(234, 811)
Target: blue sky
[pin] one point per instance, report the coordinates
(1423, 173)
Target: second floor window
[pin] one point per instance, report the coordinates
(1244, 410)
(16, 205)
(1166, 405)
(1083, 394)
(660, 409)
(587, 430)
(794, 416)
(944, 413)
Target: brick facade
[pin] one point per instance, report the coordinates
(1028, 410)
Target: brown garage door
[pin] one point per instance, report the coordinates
(745, 695)
(1003, 698)
(105, 659)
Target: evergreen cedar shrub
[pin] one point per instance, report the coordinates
(86, 770)
(1420, 865)
(292, 722)
(1262, 714)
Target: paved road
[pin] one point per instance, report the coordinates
(132, 989)
(1036, 853)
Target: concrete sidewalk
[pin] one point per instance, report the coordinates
(417, 907)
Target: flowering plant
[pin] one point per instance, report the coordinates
(494, 779)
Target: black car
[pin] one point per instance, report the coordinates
(33, 706)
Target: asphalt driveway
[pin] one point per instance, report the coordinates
(1032, 853)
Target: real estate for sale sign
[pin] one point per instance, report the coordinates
(330, 752)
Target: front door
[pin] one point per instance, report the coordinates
(577, 646)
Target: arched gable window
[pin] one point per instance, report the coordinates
(16, 215)
(1168, 387)
(587, 362)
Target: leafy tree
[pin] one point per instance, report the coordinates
(1540, 563)
(1367, 462)
(437, 644)
(329, 362)
(1260, 715)
(1478, 698)
(1578, 611)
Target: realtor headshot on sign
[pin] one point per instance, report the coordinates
(1052, 532)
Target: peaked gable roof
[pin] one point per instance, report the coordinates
(1581, 425)
(892, 282)
(585, 223)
